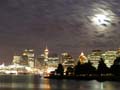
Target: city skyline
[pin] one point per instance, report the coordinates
(94, 56)
(72, 26)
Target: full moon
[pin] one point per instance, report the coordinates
(101, 19)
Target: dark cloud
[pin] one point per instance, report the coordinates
(65, 25)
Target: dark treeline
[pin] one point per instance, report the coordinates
(87, 70)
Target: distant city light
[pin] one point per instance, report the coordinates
(49, 62)
(50, 69)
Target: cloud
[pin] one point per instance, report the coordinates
(63, 24)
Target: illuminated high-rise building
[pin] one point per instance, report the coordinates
(49, 61)
(40, 61)
(17, 59)
(46, 52)
(67, 60)
(21, 60)
(31, 56)
(94, 57)
(82, 58)
(109, 57)
(53, 60)
(118, 52)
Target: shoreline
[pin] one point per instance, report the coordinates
(86, 78)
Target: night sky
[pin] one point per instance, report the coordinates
(64, 25)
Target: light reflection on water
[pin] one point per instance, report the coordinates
(28, 82)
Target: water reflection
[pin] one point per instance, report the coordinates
(19, 82)
(70, 85)
(82, 85)
(28, 82)
(44, 84)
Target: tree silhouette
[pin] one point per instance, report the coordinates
(115, 68)
(85, 69)
(89, 68)
(77, 68)
(102, 68)
(60, 69)
(117, 61)
(69, 71)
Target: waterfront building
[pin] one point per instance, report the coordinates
(53, 60)
(48, 61)
(109, 57)
(46, 53)
(94, 57)
(67, 60)
(118, 52)
(21, 60)
(82, 58)
(29, 54)
(40, 63)
(24, 59)
(17, 59)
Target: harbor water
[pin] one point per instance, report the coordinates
(31, 82)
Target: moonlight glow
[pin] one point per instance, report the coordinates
(101, 19)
